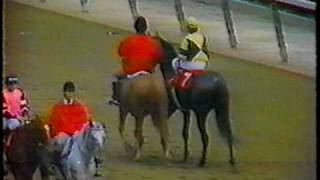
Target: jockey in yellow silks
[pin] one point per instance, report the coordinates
(193, 51)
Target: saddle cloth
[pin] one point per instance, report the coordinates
(183, 80)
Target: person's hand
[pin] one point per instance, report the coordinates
(76, 133)
(25, 113)
(8, 115)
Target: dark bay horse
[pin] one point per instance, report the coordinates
(207, 92)
(24, 151)
(141, 96)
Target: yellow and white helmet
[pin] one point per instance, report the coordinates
(192, 22)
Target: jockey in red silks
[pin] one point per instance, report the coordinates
(15, 110)
(140, 53)
(68, 118)
(14, 104)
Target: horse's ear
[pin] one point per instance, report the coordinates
(91, 123)
(103, 125)
(37, 117)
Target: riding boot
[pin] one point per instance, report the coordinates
(115, 93)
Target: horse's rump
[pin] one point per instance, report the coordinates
(144, 92)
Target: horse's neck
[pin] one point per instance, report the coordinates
(167, 71)
(86, 147)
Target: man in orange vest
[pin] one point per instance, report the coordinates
(139, 53)
(68, 118)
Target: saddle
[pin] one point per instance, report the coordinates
(130, 76)
(183, 80)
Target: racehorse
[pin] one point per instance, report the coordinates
(144, 95)
(23, 152)
(207, 91)
(76, 159)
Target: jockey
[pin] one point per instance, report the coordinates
(139, 53)
(15, 104)
(193, 51)
(14, 109)
(68, 117)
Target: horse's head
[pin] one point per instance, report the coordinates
(97, 133)
(37, 129)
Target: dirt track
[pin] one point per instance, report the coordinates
(273, 111)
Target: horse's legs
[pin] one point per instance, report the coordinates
(165, 140)
(202, 125)
(161, 123)
(23, 171)
(122, 123)
(138, 133)
(185, 133)
(82, 3)
(44, 172)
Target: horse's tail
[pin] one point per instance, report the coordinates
(223, 114)
(223, 122)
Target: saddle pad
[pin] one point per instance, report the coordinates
(183, 81)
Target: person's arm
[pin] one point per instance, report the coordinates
(24, 104)
(52, 121)
(120, 49)
(184, 49)
(5, 112)
(205, 47)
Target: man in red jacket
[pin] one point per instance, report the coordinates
(139, 53)
(68, 118)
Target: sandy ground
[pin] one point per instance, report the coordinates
(273, 112)
(254, 26)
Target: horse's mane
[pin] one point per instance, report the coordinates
(168, 48)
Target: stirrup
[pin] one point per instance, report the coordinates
(113, 102)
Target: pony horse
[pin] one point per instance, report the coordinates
(144, 95)
(76, 159)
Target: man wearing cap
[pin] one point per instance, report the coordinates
(68, 117)
(14, 104)
(139, 53)
(193, 51)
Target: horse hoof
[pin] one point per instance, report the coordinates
(137, 156)
(232, 162)
(202, 163)
(168, 155)
(184, 160)
(186, 156)
(97, 174)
